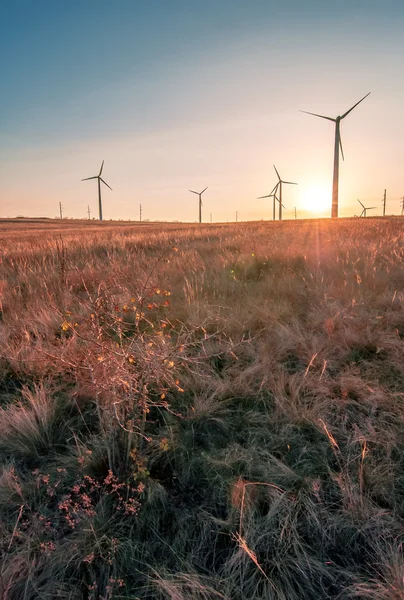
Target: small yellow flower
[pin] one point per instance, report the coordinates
(162, 396)
(175, 249)
(65, 326)
(164, 445)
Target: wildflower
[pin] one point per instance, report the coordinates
(175, 249)
(65, 326)
(164, 444)
(131, 359)
(162, 396)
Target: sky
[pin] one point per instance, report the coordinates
(183, 94)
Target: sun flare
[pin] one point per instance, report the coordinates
(316, 198)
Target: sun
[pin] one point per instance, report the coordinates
(316, 198)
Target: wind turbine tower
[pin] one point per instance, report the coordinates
(402, 205)
(280, 183)
(200, 202)
(365, 208)
(273, 195)
(61, 210)
(99, 178)
(384, 203)
(337, 147)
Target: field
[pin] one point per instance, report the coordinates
(199, 412)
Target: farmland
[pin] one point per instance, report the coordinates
(193, 412)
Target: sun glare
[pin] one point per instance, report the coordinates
(316, 198)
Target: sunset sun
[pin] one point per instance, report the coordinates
(316, 199)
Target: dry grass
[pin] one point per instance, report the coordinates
(202, 411)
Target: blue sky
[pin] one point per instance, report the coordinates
(177, 94)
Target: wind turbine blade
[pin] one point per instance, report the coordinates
(197, 193)
(269, 196)
(204, 190)
(284, 206)
(364, 210)
(102, 166)
(371, 207)
(290, 182)
(87, 178)
(361, 203)
(340, 145)
(316, 115)
(276, 171)
(104, 182)
(354, 106)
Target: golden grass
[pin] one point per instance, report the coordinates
(179, 374)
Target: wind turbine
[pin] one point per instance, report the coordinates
(280, 182)
(365, 208)
(273, 195)
(200, 202)
(337, 146)
(99, 187)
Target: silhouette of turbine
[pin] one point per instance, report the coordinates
(273, 195)
(365, 208)
(337, 147)
(280, 183)
(99, 188)
(200, 202)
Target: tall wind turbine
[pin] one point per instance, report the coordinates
(337, 146)
(273, 195)
(99, 187)
(200, 202)
(280, 183)
(365, 208)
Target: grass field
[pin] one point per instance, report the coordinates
(198, 412)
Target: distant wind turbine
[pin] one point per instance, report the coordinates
(337, 146)
(280, 183)
(99, 188)
(273, 195)
(365, 208)
(200, 202)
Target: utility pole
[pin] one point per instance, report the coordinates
(236, 216)
(61, 210)
(295, 213)
(88, 212)
(140, 213)
(384, 204)
(402, 205)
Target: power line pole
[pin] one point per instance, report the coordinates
(295, 213)
(384, 204)
(61, 210)
(140, 213)
(88, 212)
(402, 205)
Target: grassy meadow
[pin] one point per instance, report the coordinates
(197, 412)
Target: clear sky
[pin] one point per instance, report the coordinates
(179, 94)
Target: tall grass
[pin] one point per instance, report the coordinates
(202, 412)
